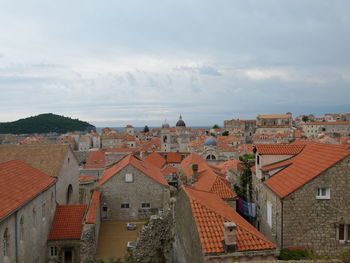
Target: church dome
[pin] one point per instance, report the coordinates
(180, 122)
(210, 142)
(165, 125)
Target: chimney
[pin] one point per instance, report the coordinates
(230, 235)
(195, 172)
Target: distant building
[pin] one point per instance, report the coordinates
(315, 128)
(274, 123)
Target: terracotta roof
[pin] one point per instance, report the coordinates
(145, 167)
(95, 160)
(207, 180)
(68, 222)
(314, 159)
(122, 150)
(279, 149)
(155, 159)
(86, 178)
(20, 183)
(47, 158)
(274, 116)
(151, 146)
(169, 169)
(93, 208)
(173, 157)
(228, 165)
(210, 213)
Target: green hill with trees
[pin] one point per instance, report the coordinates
(45, 123)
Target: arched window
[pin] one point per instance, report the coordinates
(208, 157)
(69, 193)
(21, 229)
(213, 157)
(6, 241)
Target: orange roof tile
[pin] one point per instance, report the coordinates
(20, 183)
(210, 213)
(94, 205)
(173, 157)
(169, 169)
(86, 178)
(68, 222)
(207, 180)
(274, 116)
(151, 146)
(95, 160)
(278, 149)
(314, 159)
(145, 167)
(228, 165)
(155, 159)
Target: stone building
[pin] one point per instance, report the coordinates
(130, 130)
(209, 230)
(58, 161)
(112, 140)
(175, 139)
(27, 208)
(274, 123)
(311, 183)
(74, 232)
(247, 127)
(315, 128)
(133, 189)
(84, 143)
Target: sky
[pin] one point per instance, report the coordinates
(113, 63)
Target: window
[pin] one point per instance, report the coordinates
(129, 178)
(125, 205)
(145, 205)
(344, 233)
(34, 217)
(53, 251)
(43, 211)
(21, 229)
(323, 193)
(5, 242)
(269, 214)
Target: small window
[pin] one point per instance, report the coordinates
(125, 205)
(269, 214)
(323, 193)
(34, 217)
(129, 178)
(53, 251)
(5, 242)
(43, 211)
(145, 205)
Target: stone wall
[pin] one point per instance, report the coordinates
(69, 175)
(88, 244)
(313, 223)
(187, 245)
(143, 189)
(155, 239)
(81, 156)
(30, 243)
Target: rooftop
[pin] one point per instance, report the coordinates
(20, 183)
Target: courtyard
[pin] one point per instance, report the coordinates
(114, 236)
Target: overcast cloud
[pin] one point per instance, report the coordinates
(140, 62)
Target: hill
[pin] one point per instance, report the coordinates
(45, 123)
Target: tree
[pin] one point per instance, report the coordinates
(225, 133)
(305, 118)
(216, 126)
(146, 129)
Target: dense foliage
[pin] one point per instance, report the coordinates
(146, 129)
(45, 123)
(244, 189)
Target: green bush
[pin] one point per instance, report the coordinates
(298, 254)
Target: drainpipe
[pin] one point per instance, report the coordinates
(16, 237)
